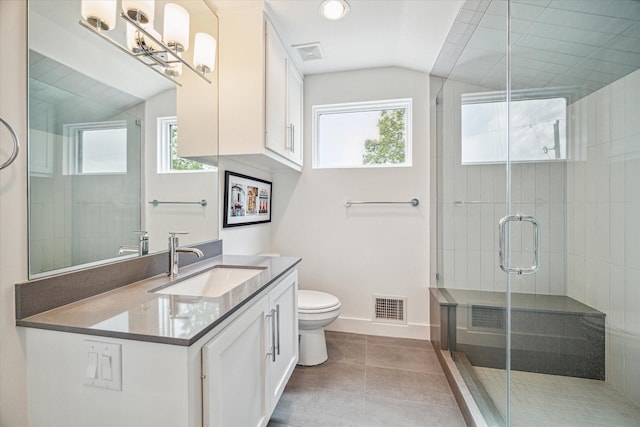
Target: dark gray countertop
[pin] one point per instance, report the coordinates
(132, 312)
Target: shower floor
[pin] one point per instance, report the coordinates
(552, 400)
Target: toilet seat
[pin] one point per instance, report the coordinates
(310, 302)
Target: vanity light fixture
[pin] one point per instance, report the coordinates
(141, 11)
(162, 53)
(334, 9)
(99, 14)
(204, 52)
(176, 27)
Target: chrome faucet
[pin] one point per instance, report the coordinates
(141, 249)
(174, 249)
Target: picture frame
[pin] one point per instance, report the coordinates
(247, 200)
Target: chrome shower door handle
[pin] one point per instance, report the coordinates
(536, 244)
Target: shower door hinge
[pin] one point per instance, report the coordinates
(437, 277)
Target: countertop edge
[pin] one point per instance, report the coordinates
(185, 342)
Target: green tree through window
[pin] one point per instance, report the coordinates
(389, 148)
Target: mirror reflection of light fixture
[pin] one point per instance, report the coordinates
(204, 52)
(334, 9)
(176, 27)
(162, 53)
(141, 11)
(100, 14)
(175, 68)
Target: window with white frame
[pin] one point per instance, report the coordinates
(538, 129)
(96, 148)
(362, 134)
(168, 160)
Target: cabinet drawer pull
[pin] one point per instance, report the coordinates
(272, 353)
(278, 329)
(293, 138)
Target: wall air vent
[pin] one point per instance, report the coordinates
(390, 309)
(483, 317)
(309, 51)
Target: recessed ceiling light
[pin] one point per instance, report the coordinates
(334, 9)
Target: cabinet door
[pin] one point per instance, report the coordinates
(276, 92)
(284, 300)
(234, 370)
(294, 114)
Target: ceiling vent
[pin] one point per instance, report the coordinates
(309, 51)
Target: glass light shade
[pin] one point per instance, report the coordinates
(334, 9)
(99, 13)
(141, 11)
(204, 52)
(176, 26)
(132, 37)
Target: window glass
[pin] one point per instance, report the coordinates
(538, 130)
(102, 151)
(365, 134)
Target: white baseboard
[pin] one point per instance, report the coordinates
(368, 327)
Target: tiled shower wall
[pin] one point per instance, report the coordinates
(603, 217)
(78, 219)
(472, 201)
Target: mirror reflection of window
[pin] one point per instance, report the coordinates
(96, 148)
(168, 159)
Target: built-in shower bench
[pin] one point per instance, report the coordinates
(551, 334)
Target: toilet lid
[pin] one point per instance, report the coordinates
(316, 300)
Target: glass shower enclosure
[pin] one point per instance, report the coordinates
(537, 256)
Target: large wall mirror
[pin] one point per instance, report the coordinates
(105, 135)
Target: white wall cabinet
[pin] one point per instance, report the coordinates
(283, 100)
(260, 91)
(248, 364)
(295, 89)
(227, 378)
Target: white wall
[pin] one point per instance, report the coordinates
(361, 251)
(603, 228)
(13, 210)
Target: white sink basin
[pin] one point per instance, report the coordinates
(212, 283)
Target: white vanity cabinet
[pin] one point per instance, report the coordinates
(261, 91)
(247, 365)
(229, 377)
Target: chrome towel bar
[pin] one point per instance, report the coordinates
(155, 202)
(412, 202)
(16, 145)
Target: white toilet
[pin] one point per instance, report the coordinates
(315, 311)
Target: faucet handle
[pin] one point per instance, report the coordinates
(174, 233)
(143, 233)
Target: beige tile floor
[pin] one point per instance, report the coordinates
(369, 381)
(553, 400)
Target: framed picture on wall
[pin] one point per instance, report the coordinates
(247, 200)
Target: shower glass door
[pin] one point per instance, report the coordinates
(538, 126)
(574, 165)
